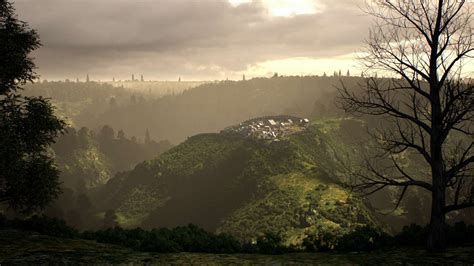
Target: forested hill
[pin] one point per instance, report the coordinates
(250, 186)
(244, 186)
(247, 186)
(206, 108)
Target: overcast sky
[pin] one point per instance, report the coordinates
(194, 39)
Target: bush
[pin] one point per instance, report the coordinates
(323, 242)
(460, 234)
(191, 238)
(363, 238)
(180, 239)
(412, 235)
(41, 224)
(3, 221)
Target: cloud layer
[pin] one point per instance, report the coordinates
(195, 39)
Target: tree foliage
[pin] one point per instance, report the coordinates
(18, 41)
(28, 176)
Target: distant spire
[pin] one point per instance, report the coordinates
(141, 78)
(348, 73)
(243, 77)
(77, 80)
(179, 79)
(87, 78)
(147, 136)
(133, 77)
(113, 79)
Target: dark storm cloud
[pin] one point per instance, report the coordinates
(196, 38)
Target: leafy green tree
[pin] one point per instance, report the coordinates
(28, 176)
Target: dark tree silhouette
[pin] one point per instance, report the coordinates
(28, 176)
(110, 219)
(427, 105)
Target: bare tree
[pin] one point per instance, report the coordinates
(427, 104)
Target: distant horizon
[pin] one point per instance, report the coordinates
(91, 79)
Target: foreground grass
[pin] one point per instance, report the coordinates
(30, 248)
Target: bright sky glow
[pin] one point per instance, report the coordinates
(306, 66)
(285, 8)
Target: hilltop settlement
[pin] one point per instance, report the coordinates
(269, 128)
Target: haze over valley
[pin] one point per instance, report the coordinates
(330, 132)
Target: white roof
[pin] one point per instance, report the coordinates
(272, 122)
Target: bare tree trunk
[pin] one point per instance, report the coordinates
(441, 31)
(437, 230)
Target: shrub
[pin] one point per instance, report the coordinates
(191, 238)
(412, 235)
(41, 224)
(320, 242)
(270, 243)
(460, 234)
(365, 238)
(180, 239)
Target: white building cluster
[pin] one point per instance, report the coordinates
(269, 128)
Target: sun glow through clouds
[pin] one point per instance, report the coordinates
(285, 8)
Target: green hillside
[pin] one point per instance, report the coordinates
(244, 186)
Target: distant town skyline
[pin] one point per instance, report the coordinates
(132, 77)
